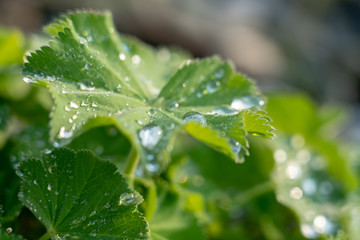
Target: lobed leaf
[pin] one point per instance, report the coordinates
(79, 196)
(98, 77)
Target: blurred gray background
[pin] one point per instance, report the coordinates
(311, 46)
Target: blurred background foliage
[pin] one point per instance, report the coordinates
(305, 58)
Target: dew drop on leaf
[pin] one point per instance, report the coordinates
(126, 198)
(194, 117)
(173, 105)
(224, 111)
(152, 167)
(65, 134)
(212, 86)
(296, 193)
(308, 231)
(136, 59)
(74, 104)
(235, 145)
(293, 171)
(122, 56)
(246, 102)
(49, 187)
(87, 66)
(150, 135)
(87, 85)
(28, 80)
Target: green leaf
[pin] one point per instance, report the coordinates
(98, 77)
(9, 185)
(171, 222)
(7, 236)
(11, 46)
(77, 195)
(304, 183)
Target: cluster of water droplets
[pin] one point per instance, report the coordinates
(304, 184)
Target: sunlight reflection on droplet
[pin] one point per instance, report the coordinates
(296, 193)
(280, 156)
(293, 171)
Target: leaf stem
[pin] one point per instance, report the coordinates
(131, 163)
(254, 192)
(46, 236)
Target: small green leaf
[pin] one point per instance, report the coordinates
(98, 77)
(77, 195)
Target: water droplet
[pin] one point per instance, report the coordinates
(94, 104)
(194, 117)
(173, 105)
(126, 198)
(136, 59)
(296, 193)
(122, 57)
(219, 73)
(107, 205)
(235, 145)
(35, 182)
(67, 109)
(297, 141)
(308, 231)
(87, 66)
(164, 55)
(212, 86)
(224, 111)
(74, 104)
(150, 136)
(118, 87)
(293, 171)
(245, 102)
(65, 134)
(87, 85)
(323, 225)
(127, 79)
(83, 41)
(49, 187)
(280, 156)
(309, 186)
(28, 80)
(152, 167)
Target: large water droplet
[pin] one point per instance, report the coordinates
(194, 117)
(246, 102)
(87, 85)
(224, 111)
(126, 198)
(49, 187)
(65, 134)
(150, 136)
